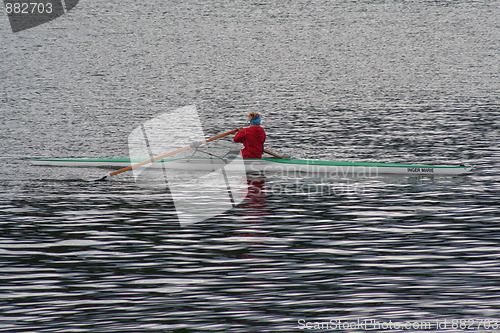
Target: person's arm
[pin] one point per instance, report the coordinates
(240, 136)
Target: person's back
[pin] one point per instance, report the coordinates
(252, 137)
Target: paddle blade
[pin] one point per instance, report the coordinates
(103, 179)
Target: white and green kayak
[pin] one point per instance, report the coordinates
(330, 168)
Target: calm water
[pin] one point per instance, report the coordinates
(413, 82)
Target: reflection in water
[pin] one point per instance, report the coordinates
(254, 205)
(253, 211)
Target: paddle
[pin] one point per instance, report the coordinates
(273, 154)
(151, 160)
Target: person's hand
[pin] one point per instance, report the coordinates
(240, 128)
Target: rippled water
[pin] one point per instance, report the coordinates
(412, 82)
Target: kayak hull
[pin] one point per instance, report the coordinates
(331, 168)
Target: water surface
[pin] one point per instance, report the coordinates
(409, 82)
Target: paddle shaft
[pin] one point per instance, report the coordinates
(273, 154)
(154, 159)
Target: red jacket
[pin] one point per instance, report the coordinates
(253, 139)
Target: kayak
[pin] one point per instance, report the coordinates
(271, 165)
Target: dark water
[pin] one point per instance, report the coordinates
(413, 82)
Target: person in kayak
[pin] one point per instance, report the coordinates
(252, 137)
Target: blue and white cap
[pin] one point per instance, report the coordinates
(255, 121)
